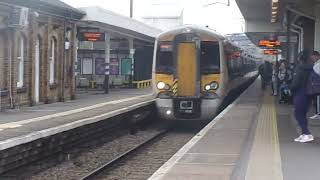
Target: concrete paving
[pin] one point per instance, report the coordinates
(214, 152)
(299, 161)
(84, 99)
(30, 123)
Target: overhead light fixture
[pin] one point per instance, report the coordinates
(274, 7)
(274, 12)
(275, 1)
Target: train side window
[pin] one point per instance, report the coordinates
(164, 58)
(210, 57)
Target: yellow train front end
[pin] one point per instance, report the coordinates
(187, 74)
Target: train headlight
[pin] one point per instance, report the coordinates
(207, 87)
(212, 86)
(161, 85)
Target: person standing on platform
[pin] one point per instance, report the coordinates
(265, 71)
(301, 100)
(315, 58)
(275, 70)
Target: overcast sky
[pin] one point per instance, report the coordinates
(220, 17)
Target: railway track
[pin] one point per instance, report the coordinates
(143, 161)
(131, 151)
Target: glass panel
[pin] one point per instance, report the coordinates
(164, 58)
(210, 57)
(20, 63)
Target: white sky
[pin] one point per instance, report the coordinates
(220, 17)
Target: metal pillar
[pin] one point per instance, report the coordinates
(107, 62)
(132, 51)
(131, 8)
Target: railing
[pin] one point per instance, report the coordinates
(142, 84)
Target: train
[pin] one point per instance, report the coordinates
(194, 70)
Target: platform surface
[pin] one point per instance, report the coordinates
(252, 139)
(30, 123)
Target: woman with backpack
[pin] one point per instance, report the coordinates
(301, 100)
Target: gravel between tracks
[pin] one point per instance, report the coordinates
(93, 158)
(145, 162)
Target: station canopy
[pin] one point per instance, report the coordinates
(266, 19)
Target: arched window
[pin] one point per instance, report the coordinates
(53, 44)
(21, 59)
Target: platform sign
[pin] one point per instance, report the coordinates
(114, 66)
(90, 34)
(126, 66)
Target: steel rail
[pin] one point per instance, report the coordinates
(109, 164)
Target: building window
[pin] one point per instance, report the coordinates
(21, 57)
(85, 45)
(52, 61)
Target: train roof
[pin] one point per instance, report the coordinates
(203, 32)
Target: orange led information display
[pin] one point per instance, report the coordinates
(93, 36)
(269, 44)
(90, 34)
(270, 52)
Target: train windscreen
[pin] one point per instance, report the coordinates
(164, 58)
(210, 57)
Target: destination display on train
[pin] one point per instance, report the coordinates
(166, 47)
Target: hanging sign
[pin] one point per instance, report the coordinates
(90, 34)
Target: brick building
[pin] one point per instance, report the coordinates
(37, 51)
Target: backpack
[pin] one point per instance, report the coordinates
(313, 84)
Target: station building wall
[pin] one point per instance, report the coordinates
(40, 45)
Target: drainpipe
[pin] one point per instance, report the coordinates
(10, 70)
(301, 35)
(63, 62)
(300, 48)
(288, 36)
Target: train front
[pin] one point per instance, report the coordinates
(186, 74)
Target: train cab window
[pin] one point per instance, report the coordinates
(210, 57)
(164, 58)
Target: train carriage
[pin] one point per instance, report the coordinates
(194, 68)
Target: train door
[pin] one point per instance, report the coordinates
(187, 69)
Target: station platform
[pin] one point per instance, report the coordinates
(27, 124)
(252, 139)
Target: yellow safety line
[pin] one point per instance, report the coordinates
(265, 158)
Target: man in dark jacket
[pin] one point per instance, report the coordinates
(301, 100)
(265, 71)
